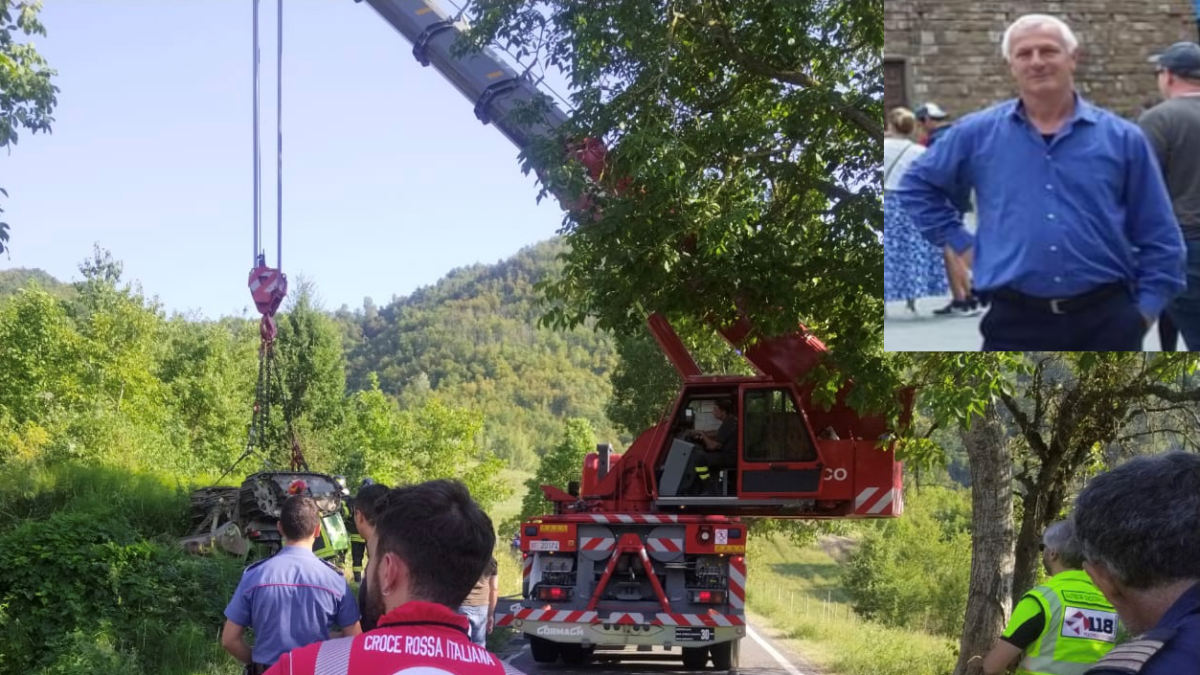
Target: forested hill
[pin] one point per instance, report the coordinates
(15, 279)
(473, 338)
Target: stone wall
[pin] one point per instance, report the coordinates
(950, 49)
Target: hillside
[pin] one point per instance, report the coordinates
(15, 279)
(473, 338)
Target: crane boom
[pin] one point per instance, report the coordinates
(483, 77)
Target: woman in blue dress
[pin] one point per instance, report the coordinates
(912, 267)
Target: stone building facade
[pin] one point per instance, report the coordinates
(948, 51)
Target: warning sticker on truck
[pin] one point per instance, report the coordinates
(693, 633)
(539, 545)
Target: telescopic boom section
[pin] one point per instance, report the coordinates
(488, 82)
(496, 90)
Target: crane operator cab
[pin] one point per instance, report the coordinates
(738, 442)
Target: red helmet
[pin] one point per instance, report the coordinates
(297, 487)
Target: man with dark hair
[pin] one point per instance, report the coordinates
(365, 513)
(1139, 525)
(1062, 626)
(430, 546)
(480, 605)
(358, 545)
(289, 599)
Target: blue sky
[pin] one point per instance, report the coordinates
(389, 180)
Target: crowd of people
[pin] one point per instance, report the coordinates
(1087, 225)
(426, 600)
(1122, 597)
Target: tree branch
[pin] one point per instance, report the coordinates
(1168, 394)
(1028, 430)
(725, 38)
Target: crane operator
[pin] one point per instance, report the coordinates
(720, 448)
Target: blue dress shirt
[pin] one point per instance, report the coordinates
(1057, 218)
(290, 600)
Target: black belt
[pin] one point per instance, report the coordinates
(1074, 303)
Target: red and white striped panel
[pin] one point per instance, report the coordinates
(665, 545)
(626, 618)
(527, 567)
(557, 615)
(697, 620)
(874, 500)
(635, 518)
(597, 543)
(737, 582)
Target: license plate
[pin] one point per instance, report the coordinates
(539, 545)
(693, 634)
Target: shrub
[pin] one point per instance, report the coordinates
(151, 504)
(85, 591)
(913, 572)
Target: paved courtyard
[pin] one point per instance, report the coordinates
(924, 332)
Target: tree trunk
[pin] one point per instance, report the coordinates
(1040, 508)
(1033, 524)
(990, 589)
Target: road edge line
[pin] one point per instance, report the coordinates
(519, 652)
(774, 653)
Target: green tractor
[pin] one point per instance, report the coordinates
(241, 521)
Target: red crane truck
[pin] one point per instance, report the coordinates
(629, 558)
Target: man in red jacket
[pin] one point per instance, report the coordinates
(431, 544)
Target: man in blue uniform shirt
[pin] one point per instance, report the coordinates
(1139, 526)
(290, 599)
(1077, 247)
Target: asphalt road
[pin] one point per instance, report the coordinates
(761, 654)
(905, 332)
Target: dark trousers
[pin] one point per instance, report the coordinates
(357, 549)
(1113, 324)
(1184, 310)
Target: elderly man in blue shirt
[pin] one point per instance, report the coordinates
(290, 599)
(1077, 247)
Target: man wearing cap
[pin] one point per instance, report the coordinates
(1173, 128)
(933, 120)
(1076, 247)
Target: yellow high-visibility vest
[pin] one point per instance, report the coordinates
(1080, 628)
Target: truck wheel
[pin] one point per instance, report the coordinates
(695, 658)
(543, 650)
(725, 655)
(575, 655)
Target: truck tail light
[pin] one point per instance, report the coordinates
(554, 593)
(708, 597)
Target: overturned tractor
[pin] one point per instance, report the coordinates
(241, 521)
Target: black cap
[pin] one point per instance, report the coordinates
(1181, 58)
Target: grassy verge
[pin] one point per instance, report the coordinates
(510, 561)
(797, 590)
